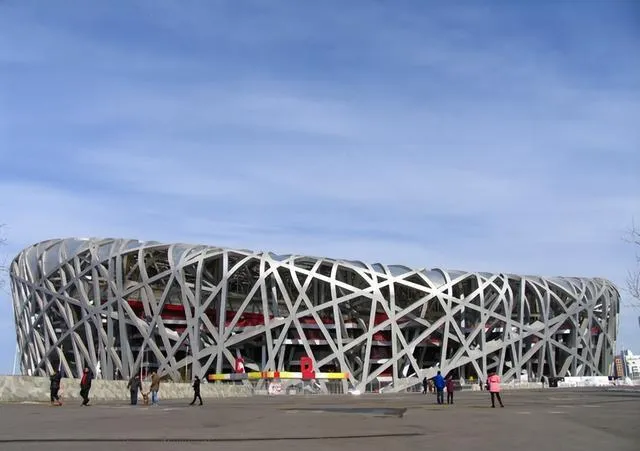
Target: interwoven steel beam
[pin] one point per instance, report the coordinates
(123, 305)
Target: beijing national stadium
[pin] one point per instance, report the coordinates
(126, 306)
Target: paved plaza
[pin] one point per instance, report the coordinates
(541, 420)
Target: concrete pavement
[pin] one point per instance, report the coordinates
(532, 420)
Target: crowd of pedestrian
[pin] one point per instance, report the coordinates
(134, 386)
(438, 384)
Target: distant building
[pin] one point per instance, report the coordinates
(631, 364)
(619, 370)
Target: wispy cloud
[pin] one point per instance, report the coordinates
(459, 137)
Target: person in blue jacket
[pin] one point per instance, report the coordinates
(440, 383)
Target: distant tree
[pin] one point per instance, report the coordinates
(633, 280)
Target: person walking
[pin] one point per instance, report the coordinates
(425, 385)
(450, 389)
(196, 391)
(439, 382)
(85, 386)
(155, 388)
(54, 387)
(134, 386)
(494, 388)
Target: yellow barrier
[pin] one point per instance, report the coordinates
(257, 375)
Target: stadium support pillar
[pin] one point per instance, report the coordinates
(541, 361)
(394, 330)
(552, 359)
(221, 312)
(483, 339)
(194, 345)
(107, 366)
(122, 328)
(195, 352)
(521, 299)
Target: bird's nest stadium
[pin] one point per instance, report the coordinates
(126, 306)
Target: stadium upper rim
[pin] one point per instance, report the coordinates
(79, 245)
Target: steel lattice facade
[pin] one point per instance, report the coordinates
(122, 305)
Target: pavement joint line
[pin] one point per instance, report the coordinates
(204, 440)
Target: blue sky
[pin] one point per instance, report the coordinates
(483, 136)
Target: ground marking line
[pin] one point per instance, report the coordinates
(215, 439)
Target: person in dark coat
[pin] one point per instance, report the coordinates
(196, 391)
(134, 386)
(85, 386)
(425, 385)
(450, 388)
(55, 388)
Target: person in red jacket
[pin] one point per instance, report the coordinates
(450, 388)
(494, 388)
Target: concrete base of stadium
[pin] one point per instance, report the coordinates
(36, 389)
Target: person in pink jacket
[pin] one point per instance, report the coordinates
(493, 383)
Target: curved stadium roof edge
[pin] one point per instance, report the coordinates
(132, 244)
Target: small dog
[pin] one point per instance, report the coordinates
(145, 398)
